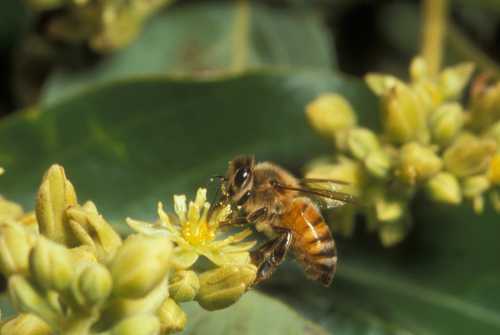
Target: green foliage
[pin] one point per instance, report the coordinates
(207, 81)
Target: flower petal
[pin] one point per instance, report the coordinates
(146, 228)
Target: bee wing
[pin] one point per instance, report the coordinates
(326, 198)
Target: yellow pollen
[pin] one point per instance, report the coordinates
(198, 233)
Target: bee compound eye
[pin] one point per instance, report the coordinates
(241, 176)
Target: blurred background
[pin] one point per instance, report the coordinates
(140, 100)
(362, 35)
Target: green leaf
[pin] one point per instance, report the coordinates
(129, 144)
(255, 314)
(211, 39)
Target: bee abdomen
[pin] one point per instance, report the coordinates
(315, 246)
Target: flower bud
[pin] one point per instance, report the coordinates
(56, 193)
(494, 170)
(493, 132)
(184, 286)
(51, 265)
(394, 232)
(485, 107)
(381, 84)
(417, 163)
(9, 210)
(91, 229)
(404, 116)
(378, 163)
(15, 246)
(345, 169)
(93, 285)
(139, 265)
(26, 299)
(446, 122)
(361, 142)
(172, 317)
(478, 204)
(388, 209)
(444, 187)
(469, 155)
(137, 325)
(330, 113)
(453, 79)
(222, 287)
(25, 324)
(475, 185)
(419, 69)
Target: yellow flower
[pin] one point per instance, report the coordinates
(195, 233)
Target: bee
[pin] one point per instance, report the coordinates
(282, 207)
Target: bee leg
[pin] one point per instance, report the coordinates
(270, 255)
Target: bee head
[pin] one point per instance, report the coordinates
(239, 178)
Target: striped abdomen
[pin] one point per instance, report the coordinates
(313, 243)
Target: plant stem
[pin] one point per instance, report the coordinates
(240, 36)
(433, 30)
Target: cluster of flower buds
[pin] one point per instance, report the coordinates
(428, 141)
(105, 24)
(69, 272)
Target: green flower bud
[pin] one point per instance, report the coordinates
(381, 84)
(172, 317)
(378, 163)
(453, 79)
(26, 299)
(404, 116)
(485, 107)
(345, 169)
(394, 232)
(9, 210)
(15, 246)
(493, 132)
(417, 163)
(137, 325)
(469, 155)
(56, 193)
(184, 286)
(478, 204)
(91, 229)
(26, 324)
(330, 113)
(389, 209)
(51, 265)
(475, 185)
(361, 142)
(446, 122)
(419, 69)
(444, 187)
(93, 285)
(139, 265)
(222, 287)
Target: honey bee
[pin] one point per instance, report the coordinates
(282, 207)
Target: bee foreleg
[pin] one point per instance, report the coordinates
(271, 254)
(257, 215)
